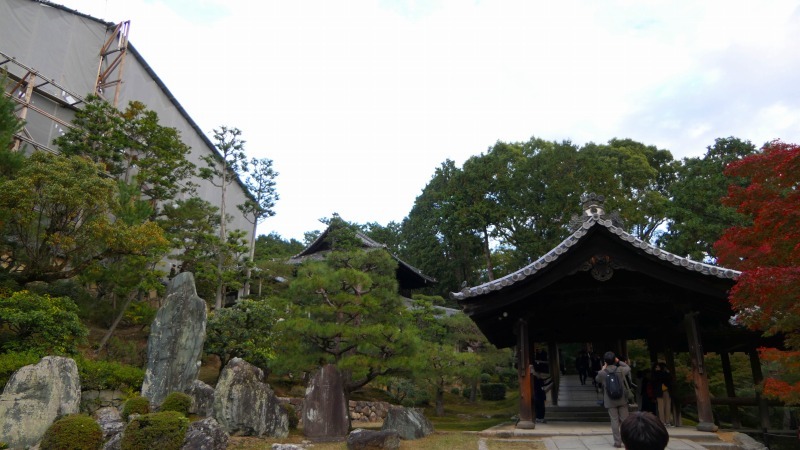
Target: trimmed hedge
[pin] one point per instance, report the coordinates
(178, 402)
(73, 432)
(135, 405)
(493, 391)
(99, 375)
(13, 361)
(162, 430)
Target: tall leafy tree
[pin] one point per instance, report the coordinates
(767, 250)
(222, 170)
(260, 183)
(345, 310)
(58, 217)
(697, 216)
(434, 242)
(133, 146)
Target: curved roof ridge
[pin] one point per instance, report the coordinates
(561, 248)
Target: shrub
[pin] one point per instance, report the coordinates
(454, 391)
(108, 375)
(40, 323)
(135, 405)
(466, 392)
(73, 432)
(292, 414)
(162, 430)
(11, 362)
(485, 377)
(493, 391)
(178, 402)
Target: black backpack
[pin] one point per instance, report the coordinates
(614, 387)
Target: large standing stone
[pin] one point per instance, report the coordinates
(409, 423)
(245, 405)
(325, 406)
(205, 434)
(35, 396)
(176, 341)
(202, 399)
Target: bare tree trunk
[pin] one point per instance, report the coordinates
(110, 331)
(439, 401)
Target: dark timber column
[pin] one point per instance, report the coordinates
(705, 415)
(758, 377)
(730, 389)
(554, 361)
(524, 374)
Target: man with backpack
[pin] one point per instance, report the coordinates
(615, 397)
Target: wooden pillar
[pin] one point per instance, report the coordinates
(705, 415)
(758, 377)
(524, 374)
(554, 361)
(730, 389)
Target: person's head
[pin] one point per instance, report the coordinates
(610, 358)
(643, 431)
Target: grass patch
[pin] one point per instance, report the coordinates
(461, 415)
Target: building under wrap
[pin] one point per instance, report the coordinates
(55, 56)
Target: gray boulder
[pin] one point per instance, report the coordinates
(35, 396)
(115, 443)
(205, 434)
(325, 406)
(373, 440)
(176, 341)
(202, 399)
(245, 405)
(110, 421)
(409, 423)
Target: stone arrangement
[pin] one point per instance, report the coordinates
(176, 341)
(325, 408)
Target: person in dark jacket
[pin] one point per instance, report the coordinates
(617, 408)
(662, 384)
(643, 431)
(582, 364)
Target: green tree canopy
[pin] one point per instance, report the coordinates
(345, 310)
(39, 323)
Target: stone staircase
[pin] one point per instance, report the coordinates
(576, 402)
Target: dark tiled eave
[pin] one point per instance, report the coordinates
(593, 221)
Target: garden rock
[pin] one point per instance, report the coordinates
(245, 405)
(35, 396)
(373, 440)
(202, 399)
(409, 423)
(115, 443)
(110, 422)
(176, 341)
(205, 434)
(325, 406)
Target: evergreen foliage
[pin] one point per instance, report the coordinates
(245, 330)
(73, 432)
(39, 323)
(178, 402)
(135, 405)
(161, 430)
(99, 375)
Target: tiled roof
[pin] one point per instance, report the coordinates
(595, 220)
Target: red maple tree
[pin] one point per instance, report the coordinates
(767, 251)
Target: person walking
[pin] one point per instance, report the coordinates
(617, 407)
(662, 384)
(582, 363)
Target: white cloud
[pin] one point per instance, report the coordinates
(358, 102)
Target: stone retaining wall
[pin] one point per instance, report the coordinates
(360, 411)
(91, 401)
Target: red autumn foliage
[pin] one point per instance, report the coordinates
(767, 294)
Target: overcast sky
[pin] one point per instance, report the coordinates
(357, 102)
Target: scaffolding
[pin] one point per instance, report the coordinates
(27, 81)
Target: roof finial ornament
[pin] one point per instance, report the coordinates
(593, 206)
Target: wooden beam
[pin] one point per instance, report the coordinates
(705, 415)
(524, 374)
(730, 389)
